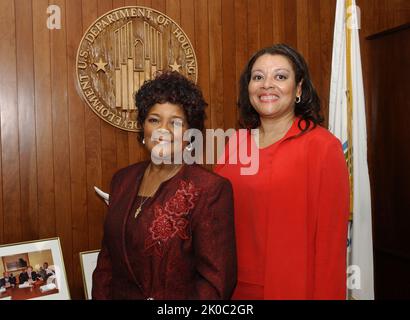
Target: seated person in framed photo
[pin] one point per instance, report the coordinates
(28, 275)
(8, 280)
(45, 271)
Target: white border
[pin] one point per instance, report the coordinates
(88, 261)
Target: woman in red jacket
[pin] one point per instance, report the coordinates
(169, 231)
(291, 216)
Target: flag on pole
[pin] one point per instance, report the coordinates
(347, 121)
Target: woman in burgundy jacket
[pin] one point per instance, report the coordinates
(169, 231)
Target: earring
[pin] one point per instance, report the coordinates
(298, 99)
(143, 141)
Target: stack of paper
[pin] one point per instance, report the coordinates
(25, 285)
(48, 287)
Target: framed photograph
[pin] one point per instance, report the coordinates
(33, 270)
(88, 261)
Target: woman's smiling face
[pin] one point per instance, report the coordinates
(164, 127)
(272, 87)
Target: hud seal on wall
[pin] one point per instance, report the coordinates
(122, 49)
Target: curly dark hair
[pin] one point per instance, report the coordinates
(308, 109)
(171, 87)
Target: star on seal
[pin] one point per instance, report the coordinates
(175, 66)
(101, 65)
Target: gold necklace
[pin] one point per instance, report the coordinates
(140, 206)
(137, 212)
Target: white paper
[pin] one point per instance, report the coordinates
(48, 287)
(102, 194)
(25, 285)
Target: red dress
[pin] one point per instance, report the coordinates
(291, 218)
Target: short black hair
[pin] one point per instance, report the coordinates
(308, 109)
(172, 87)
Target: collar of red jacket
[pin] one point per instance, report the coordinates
(294, 131)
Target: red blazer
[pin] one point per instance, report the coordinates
(291, 217)
(181, 246)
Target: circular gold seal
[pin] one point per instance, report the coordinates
(121, 50)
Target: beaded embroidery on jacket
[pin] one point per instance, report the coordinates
(171, 220)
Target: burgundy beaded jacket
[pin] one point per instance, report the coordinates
(181, 245)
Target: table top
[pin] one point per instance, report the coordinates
(34, 291)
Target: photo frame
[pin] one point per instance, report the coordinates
(33, 270)
(88, 261)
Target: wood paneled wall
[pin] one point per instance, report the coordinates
(377, 16)
(54, 149)
(382, 67)
(381, 15)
